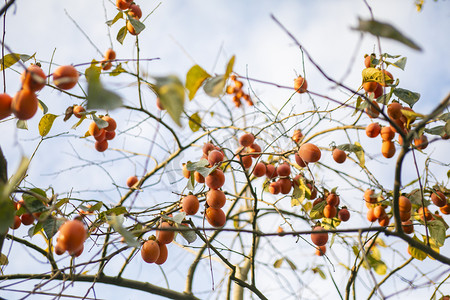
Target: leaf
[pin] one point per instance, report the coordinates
(97, 96)
(230, 66)
(277, 264)
(117, 71)
(34, 200)
(15, 179)
(360, 154)
(116, 223)
(3, 260)
(437, 232)
(195, 122)
(100, 122)
(438, 130)
(3, 169)
(34, 229)
(122, 34)
(194, 79)
(137, 25)
(401, 63)
(387, 31)
(444, 117)
(7, 212)
(96, 207)
(46, 123)
(416, 253)
(26, 57)
(319, 271)
(447, 127)
(188, 235)
(214, 86)
(291, 264)
(116, 18)
(42, 107)
(372, 74)
(170, 91)
(317, 210)
(200, 167)
(22, 124)
(178, 218)
(8, 60)
(407, 96)
(119, 210)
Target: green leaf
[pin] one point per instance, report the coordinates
(26, 57)
(117, 71)
(8, 60)
(194, 79)
(191, 182)
(116, 18)
(437, 232)
(401, 63)
(377, 265)
(319, 271)
(122, 34)
(34, 229)
(444, 117)
(438, 130)
(97, 96)
(214, 86)
(407, 96)
(359, 102)
(34, 200)
(51, 226)
(7, 213)
(291, 264)
(447, 127)
(170, 91)
(100, 122)
(3, 169)
(195, 122)
(137, 25)
(116, 223)
(297, 196)
(277, 264)
(317, 210)
(119, 210)
(22, 124)
(188, 235)
(42, 107)
(200, 167)
(96, 207)
(46, 123)
(15, 179)
(387, 31)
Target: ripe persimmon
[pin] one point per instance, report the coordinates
(333, 199)
(378, 91)
(274, 188)
(408, 227)
(131, 181)
(199, 177)
(72, 235)
(421, 142)
(373, 130)
(344, 214)
(101, 146)
(319, 238)
(300, 84)
(27, 219)
(387, 78)
(309, 153)
(388, 149)
(77, 110)
(445, 209)
(207, 147)
(215, 157)
(24, 104)
(320, 250)
(438, 198)
(130, 28)
(284, 169)
(404, 204)
(387, 133)
(135, 11)
(216, 198)
(271, 171)
(394, 110)
(368, 60)
(33, 78)
(339, 155)
(112, 125)
(405, 215)
(110, 54)
(373, 110)
(215, 180)
(384, 221)
(101, 136)
(190, 204)
(259, 169)
(299, 161)
(59, 250)
(165, 236)
(163, 254)
(150, 251)
(254, 148)
(94, 130)
(17, 222)
(329, 211)
(297, 136)
(110, 135)
(370, 215)
(186, 172)
(285, 185)
(246, 139)
(5, 106)
(370, 86)
(215, 216)
(379, 212)
(65, 77)
(421, 211)
(122, 4)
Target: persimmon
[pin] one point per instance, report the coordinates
(17, 222)
(215, 157)
(246, 139)
(216, 198)
(378, 92)
(131, 28)
(370, 86)
(408, 226)
(320, 250)
(373, 110)
(344, 215)
(274, 188)
(77, 110)
(317, 201)
(271, 171)
(101, 136)
(421, 212)
(59, 250)
(394, 110)
(215, 216)
(33, 78)
(27, 219)
(159, 104)
(246, 160)
(254, 148)
(373, 130)
(78, 252)
(319, 238)
(399, 122)
(404, 204)
(65, 77)
(445, 209)
(387, 133)
(72, 235)
(131, 181)
(379, 212)
(94, 130)
(329, 211)
(112, 125)
(135, 11)
(297, 136)
(339, 155)
(110, 54)
(186, 172)
(24, 105)
(388, 149)
(190, 204)
(299, 161)
(405, 215)
(109, 135)
(370, 215)
(300, 84)
(368, 60)
(5, 106)
(438, 198)
(199, 177)
(310, 153)
(207, 147)
(101, 146)
(215, 180)
(387, 78)
(313, 191)
(259, 169)
(150, 251)
(163, 254)
(165, 236)
(384, 221)
(284, 169)
(421, 142)
(285, 185)
(333, 199)
(122, 4)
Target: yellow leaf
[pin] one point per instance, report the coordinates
(46, 123)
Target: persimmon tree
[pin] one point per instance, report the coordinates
(221, 194)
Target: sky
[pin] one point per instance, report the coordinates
(184, 33)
